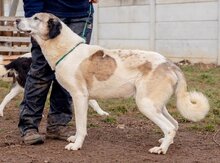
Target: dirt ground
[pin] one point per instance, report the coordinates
(108, 143)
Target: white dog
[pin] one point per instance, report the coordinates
(18, 69)
(89, 71)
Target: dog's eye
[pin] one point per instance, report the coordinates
(36, 18)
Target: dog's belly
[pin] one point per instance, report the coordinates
(104, 90)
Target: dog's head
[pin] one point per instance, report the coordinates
(44, 25)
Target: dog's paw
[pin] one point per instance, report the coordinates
(71, 139)
(103, 113)
(157, 150)
(72, 146)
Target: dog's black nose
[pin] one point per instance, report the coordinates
(18, 21)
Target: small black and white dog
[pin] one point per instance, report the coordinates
(18, 70)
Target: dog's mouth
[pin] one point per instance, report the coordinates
(29, 31)
(24, 31)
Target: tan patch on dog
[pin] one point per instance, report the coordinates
(161, 84)
(101, 66)
(145, 68)
(165, 71)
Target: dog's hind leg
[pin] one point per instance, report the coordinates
(147, 107)
(14, 92)
(170, 118)
(97, 108)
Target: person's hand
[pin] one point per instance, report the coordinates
(94, 1)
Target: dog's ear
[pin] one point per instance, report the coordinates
(54, 27)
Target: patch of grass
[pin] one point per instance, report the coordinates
(4, 88)
(2, 130)
(71, 123)
(216, 112)
(203, 127)
(119, 110)
(207, 78)
(118, 106)
(195, 127)
(92, 125)
(109, 120)
(217, 103)
(5, 84)
(157, 130)
(209, 127)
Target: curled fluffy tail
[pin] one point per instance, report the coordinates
(194, 105)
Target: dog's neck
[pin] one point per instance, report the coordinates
(54, 49)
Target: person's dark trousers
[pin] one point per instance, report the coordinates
(38, 83)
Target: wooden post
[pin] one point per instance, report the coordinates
(13, 8)
(1, 7)
(152, 24)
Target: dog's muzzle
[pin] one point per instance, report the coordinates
(19, 26)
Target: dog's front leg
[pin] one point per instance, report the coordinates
(80, 101)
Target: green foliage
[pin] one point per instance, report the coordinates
(92, 125)
(4, 84)
(110, 120)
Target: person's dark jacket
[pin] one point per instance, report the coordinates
(60, 8)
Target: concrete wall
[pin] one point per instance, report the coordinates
(124, 24)
(188, 30)
(176, 28)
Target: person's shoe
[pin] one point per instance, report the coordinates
(60, 132)
(32, 137)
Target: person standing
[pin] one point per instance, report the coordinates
(78, 15)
